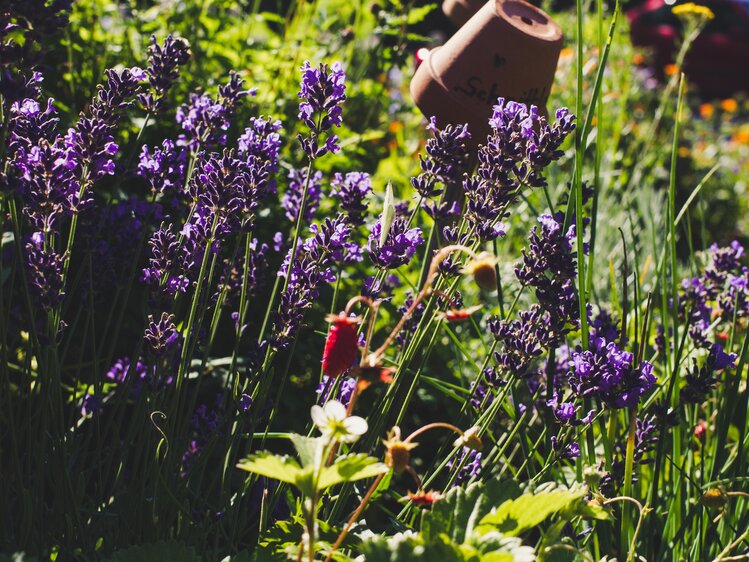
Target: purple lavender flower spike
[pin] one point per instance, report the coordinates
(311, 268)
(262, 141)
(163, 70)
(470, 460)
(292, 197)
(352, 190)
(44, 273)
(165, 168)
(161, 338)
(322, 91)
(446, 159)
(399, 247)
(608, 373)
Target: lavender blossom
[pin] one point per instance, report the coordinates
(447, 157)
(45, 277)
(165, 168)
(205, 120)
(646, 439)
(549, 267)
(523, 340)
(292, 197)
(343, 394)
(469, 463)
(161, 338)
(352, 190)
(163, 70)
(513, 157)
(565, 450)
(168, 263)
(261, 140)
(399, 247)
(701, 380)
(608, 373)
(322, 91)
(91, 141)
(311, 268)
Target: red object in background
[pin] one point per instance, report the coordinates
(718, 60)
(341, 347)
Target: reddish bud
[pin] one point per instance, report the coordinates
(423, 498)
(459, 314)
(341, 345)
(700, 430)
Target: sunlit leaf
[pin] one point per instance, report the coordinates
(281, 468)
(349, 469)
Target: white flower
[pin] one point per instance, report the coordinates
(333, 423)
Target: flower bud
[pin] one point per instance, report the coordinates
(483, 272)
(715, 498)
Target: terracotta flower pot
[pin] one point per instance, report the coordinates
(460, 11)
(509, 49)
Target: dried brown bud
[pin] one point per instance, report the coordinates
(483, 272)
(398, 453)
(715, 498)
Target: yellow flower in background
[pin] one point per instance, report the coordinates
(692, 10)
(670, 69)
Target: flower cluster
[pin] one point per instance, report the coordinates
(720, 291)
(309, 270)
(399, 247)
(205, 120)
(352, 190)
(701, 380)
(608, 373)
(445, 161)
(163, 70)
(549, 267)
(646, 439)
(516, 152)
(292, 197)
(322, 91)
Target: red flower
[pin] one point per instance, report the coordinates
(459, 314)
(423, 498)
(341, 347)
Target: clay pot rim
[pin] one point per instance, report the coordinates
(522, 15)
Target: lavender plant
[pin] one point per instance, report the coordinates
(182, 273)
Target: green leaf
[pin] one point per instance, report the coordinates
(309, 449)
(281, 468)
(529, 510)
(349, 469)
(417, 15)
(157, 552)
(410, 547)
(460, 511)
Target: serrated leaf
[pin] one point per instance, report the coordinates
(281, 468)
(165, 551)
(349, 469)
(458, 513)
(410, 547)
(527, 511)
(309, 449)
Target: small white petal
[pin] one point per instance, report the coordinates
(319, 417)
(335, 410)
(355, 425)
